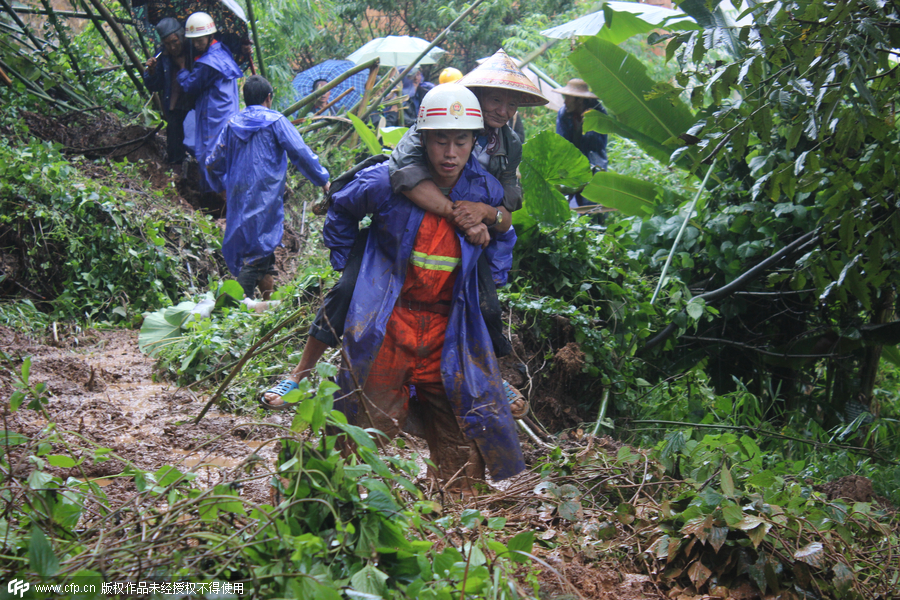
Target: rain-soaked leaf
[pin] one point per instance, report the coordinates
(727, 482)
(700, 527)
(758, 534)
(625, 513)
(547, 489)
(757, 572)
(568, 492)
(749, 522)
(843, 578)
(571, 510)
(661, 548)
(717, 537)
(733, 515)
(699, 573)
(812, 554)
(606, 530)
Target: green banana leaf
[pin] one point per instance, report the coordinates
(391, 136)
(714, 18)
(594, 120)
(630, 196)
(621, 82)
(366, 135)
(548, 161)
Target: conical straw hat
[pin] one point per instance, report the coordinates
(500, 71)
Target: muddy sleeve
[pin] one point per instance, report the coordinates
(407, 167)
(299, 153)
(499, 254)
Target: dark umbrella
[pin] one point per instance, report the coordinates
(231, 22)
(329, 70)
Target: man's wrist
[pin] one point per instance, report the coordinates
(495, 217)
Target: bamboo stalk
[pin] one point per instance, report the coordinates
(338, 126)
(126, 4)
(309, 99)
(120, 34)
(98, 24)
(33, 87)
(5, 78)
(16, 33)
(65, 42)
(302, 120)
(259, 56)
(20, 23)
(68, 14)
(373, 75)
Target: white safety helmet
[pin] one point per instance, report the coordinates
(450, 106)
(199, 24)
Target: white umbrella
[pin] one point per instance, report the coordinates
(397, 51)
(592, 24)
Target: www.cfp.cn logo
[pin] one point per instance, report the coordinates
(16, 587)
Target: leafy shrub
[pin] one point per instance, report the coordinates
(93, 251)
(340, 524)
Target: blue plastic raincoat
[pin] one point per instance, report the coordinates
(214, 82)
(469, 368)
(249, 161)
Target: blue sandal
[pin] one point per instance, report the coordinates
(513, 395)
(281, 388)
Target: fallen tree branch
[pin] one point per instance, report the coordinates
(141, 140)
(735, 285)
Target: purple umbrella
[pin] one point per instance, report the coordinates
(329, 70)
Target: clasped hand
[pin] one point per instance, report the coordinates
(469, 218)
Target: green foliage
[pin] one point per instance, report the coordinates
(548, 162)
(620, 81)
(340, 522)
(206, 345)
(745, 509)
(95, 251)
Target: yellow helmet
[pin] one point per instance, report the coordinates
(450, 75)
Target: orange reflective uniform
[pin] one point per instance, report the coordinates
(411, 353)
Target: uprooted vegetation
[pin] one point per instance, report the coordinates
(293, 516)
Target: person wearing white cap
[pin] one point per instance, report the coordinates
(415, 317)
(213, 81)
(501, 89)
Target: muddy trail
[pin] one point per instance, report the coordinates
(102, 392)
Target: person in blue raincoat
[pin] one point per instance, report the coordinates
(213, 81)
(415, 317)
(249, 162)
